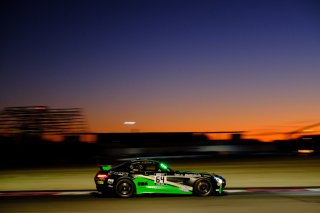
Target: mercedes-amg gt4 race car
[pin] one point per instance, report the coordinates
(150, 176)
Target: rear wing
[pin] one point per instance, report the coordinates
(105, 167)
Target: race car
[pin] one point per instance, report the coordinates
(140, 176)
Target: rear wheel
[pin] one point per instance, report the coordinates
(125, 188)
(202, 187)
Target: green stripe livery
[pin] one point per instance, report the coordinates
(144, 185)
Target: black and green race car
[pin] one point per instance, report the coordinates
(150, 176)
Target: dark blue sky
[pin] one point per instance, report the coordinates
(169, 65)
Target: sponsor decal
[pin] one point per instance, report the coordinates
(185, 189)
(110, 181)
(192, 175)
(142, 183)
(120, 173)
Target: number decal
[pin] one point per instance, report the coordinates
(160, 179)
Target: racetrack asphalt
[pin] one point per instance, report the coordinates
(253, 185)
(240, 203)
(243, 173)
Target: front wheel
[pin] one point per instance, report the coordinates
(202, 187)
(125, 188)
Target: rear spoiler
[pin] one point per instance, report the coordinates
(105, 167)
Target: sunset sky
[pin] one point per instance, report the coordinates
(178, 65)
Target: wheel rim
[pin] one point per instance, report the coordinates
(124, 188)
(203, 187)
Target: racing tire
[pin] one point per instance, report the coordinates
(125, 188)
(203, 187)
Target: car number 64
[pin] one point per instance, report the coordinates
(158, 179)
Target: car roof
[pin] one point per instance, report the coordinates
(143, 160)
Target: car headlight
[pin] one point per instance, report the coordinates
(219, 180)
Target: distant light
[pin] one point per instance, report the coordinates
(306, 151)
(129, 123)
(39, 108)
(308, 130)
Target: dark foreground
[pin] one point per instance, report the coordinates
(238, 202)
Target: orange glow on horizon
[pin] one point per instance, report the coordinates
(276, 124)
(264, 136)
(305, 151)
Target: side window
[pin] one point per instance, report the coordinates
(149, 168)
(136, 167)
(143, 167)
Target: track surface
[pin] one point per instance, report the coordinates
(257, 172)
(252, 202)
(284, 172)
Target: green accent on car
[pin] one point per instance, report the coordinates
(106, 168)
(163, 166)
(144, 185)
(220, 189)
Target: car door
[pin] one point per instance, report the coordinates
(144, 177)
(166, 181)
